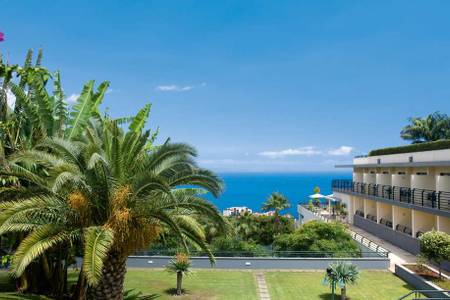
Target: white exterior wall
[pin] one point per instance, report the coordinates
(370, 207)
(383, 179)
(443, 181)
(347, 199)
(358, 176)
(423, 222)
(384, 211)
(369, 177)
(358, 203)
(424, 156)
(401, 180)
(443, 224)
(423, 181)
(401, 216)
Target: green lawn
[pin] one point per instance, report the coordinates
(230, 285)
(308, 285)
(202, 284)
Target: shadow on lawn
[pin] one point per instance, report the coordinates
(15, 296)
(173, 292)
(328, 296)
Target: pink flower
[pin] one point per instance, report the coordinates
(2, 36)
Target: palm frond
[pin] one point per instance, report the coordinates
(97, 242)
(81, 111)
(140, 119)
(35, 244)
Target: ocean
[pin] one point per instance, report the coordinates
(252, 189)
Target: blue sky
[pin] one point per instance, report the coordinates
(261, 86)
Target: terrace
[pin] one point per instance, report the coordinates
(421, 199)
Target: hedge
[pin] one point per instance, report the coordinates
(437, 145)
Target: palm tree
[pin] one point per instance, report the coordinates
(179, 265)
(35, 115)
(277, 202)
(110, 191)
(343, 274)
(434, 127)
(245, 225)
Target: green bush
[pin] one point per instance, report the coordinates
(260, 229)
(436, 145)
(319, 236)
(233, 244)
(435, 246)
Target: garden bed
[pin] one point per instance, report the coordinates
(429, 275)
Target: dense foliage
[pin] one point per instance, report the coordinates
(435, 246)
(261, 229)
(249, 234)
(433, 127)
(330, 238)
(437, 145)
(82, 180)
(232, 246)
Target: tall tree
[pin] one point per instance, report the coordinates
(112, 193)
(30, 114)
(276, 202)
(433, 127)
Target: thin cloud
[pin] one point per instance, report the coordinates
(342, 150)
(72, 98)
(178, 88)
(302, 151)
(10, 98)
(110, 91)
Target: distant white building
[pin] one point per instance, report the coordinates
(268, 213)
(236, 211)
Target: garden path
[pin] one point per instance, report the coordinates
(262, 286)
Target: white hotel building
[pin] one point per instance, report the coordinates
(397, 197)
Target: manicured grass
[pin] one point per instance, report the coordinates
(201, 284)
(230, 285)
(308, 285)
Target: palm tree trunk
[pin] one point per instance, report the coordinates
(179, 282)
(110, 286)
(80, 289)
(343, 293)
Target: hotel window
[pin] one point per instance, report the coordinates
(421, 173)
(445, 174)
(401, 173)
(385, 172)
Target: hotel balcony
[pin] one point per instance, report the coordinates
(396, 214)
(430, 201)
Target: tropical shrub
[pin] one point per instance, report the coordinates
(180, 265)
(260, 228)
(331, 239)
(435, 246)
(343, 274)
(231, 246)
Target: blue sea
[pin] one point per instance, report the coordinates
(252, 189)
